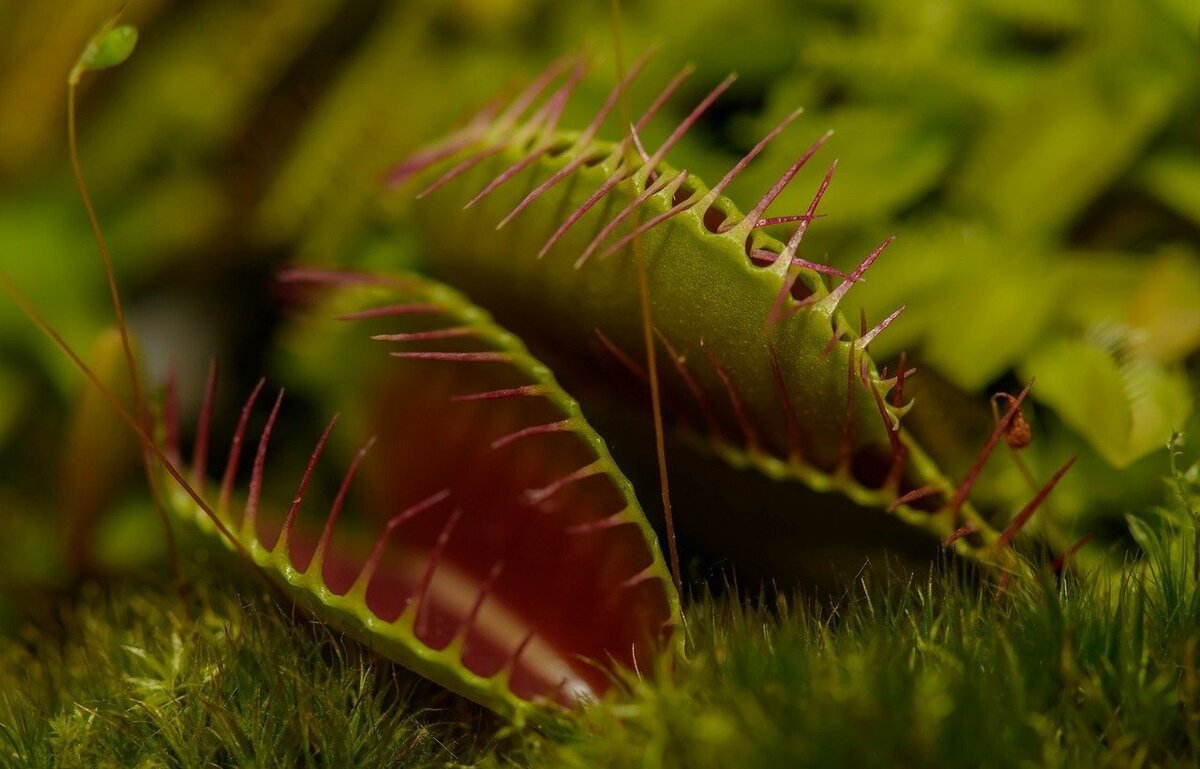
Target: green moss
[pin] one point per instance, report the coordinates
(128, 678)
(903, 672)
(931, 672)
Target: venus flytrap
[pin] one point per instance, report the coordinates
(520, 583)
(482, 535)
(494, 547)
(762, 367)
(543, 590)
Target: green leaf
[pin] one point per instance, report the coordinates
(1078, 130)
(1166, 306)
(1125, 409)
(1156, 297)
(1174, 179)
(975, 303)
(889, 159)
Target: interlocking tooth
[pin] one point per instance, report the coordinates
(659, 185)
(485, 589)
(559, 426)
(742, 227)
(507, 392)
(892, 427)
(1022, 518)
(830, 303)
(503, 124)
(869, 336)
(788, 256)
(453, 332)
(548, 119)
(527, 97)
(421, 624)
(537, 496)
(396, 521)
(609, 184)
(204, 427)
(250, 512)
(584, 143)
(684, 126)
(335, 509)
(968, 482)
(235, 450)
(463, 138)
(706, 201)
(622, 172)
(486, 356)
(289, 522)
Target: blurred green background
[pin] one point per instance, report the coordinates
(1038, 159)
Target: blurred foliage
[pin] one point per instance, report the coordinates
(1040, 162)
(1032, 158)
